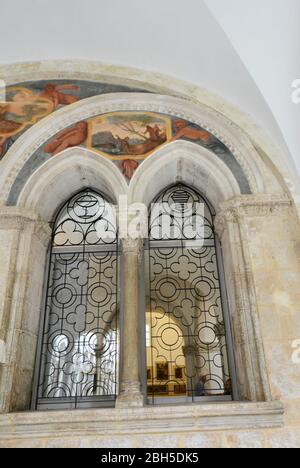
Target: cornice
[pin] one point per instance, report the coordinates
(146, 420)
(261, 205)
(16, 218)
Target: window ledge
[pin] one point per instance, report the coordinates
(146, 420)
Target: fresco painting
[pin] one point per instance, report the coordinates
(126, 138)
(57, 94)
(129, 135)
(186, 130)
(22, 109)
(27, 103)
(68, 138)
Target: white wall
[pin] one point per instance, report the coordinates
(265, 33)
(178, 38)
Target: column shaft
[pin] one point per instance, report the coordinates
(130, 388)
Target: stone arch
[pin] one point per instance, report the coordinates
(71, 171)
(185, 162)
(260, 178)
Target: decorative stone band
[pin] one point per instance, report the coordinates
(17, 218)
(261, 205)
(60, 426)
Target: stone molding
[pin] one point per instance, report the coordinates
(146, 420)
(260, 205)
(187, 163)
(179, 161)
(15, 217)
(18, 218)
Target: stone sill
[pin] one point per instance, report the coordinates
(145, 420)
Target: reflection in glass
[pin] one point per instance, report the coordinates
(187, 353)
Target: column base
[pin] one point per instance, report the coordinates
(130, 396)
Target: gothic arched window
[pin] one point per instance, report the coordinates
(79, 342)
(187, 325)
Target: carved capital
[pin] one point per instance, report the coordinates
(42, 231)
(258, 205)
(223, 218)
(12, 217)
(262, 205)
(132, 246)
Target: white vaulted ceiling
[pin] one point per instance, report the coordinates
(245, 51)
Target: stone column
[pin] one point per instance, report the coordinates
(23, 243)
(130, 388)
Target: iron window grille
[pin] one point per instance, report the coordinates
(78, 355)
(186, 317)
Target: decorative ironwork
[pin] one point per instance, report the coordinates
(188, 352)
(79, 358)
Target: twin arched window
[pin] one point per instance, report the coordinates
(187, 329)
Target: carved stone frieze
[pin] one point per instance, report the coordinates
(262, 205)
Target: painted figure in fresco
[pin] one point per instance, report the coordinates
(184, 130)
(128, 167)
(68, 138)
(7, 127)
(156, 137)
(155, 134)
(129, 134)
(125, 147)
(22, 109)
(27, 108)
(123, 144)
(54, 93)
